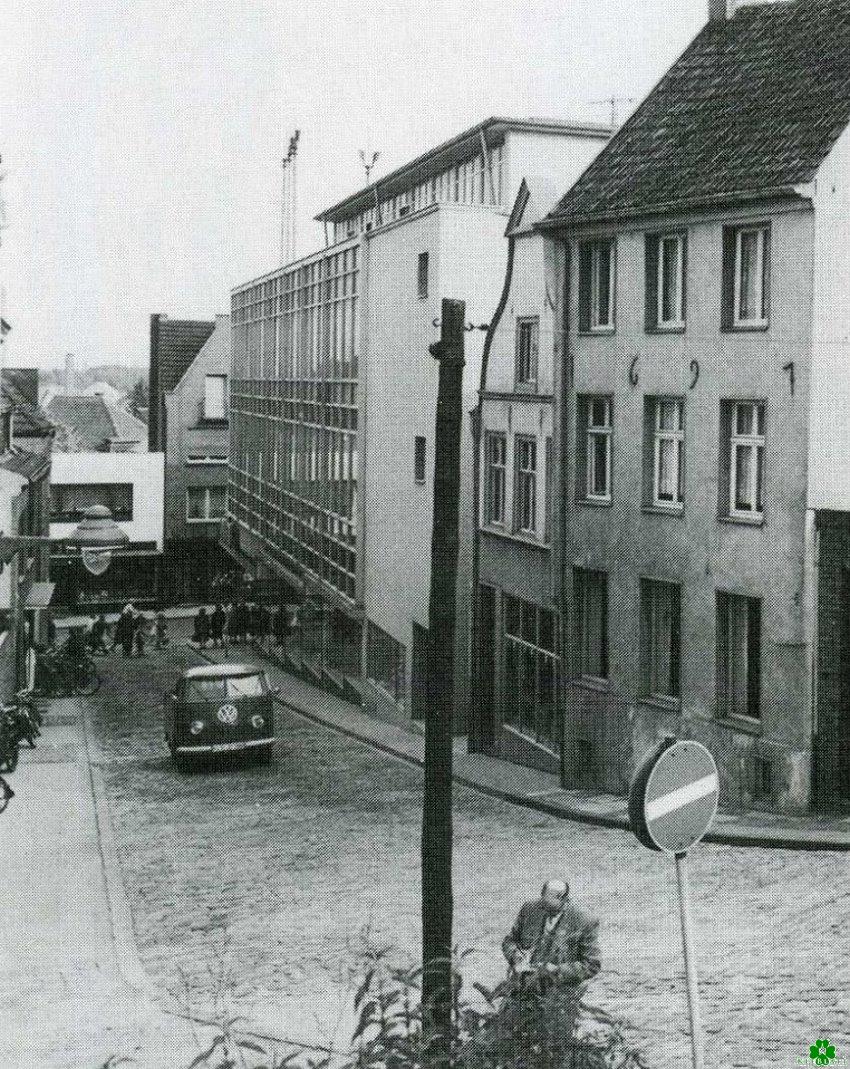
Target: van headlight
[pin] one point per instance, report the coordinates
(196, 727)
(258, 721)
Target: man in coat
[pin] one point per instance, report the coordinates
(552, 952)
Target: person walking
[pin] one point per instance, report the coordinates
(125, 630)
(141, 627)
(97, 635)
(217, 622)
(552, 952)
(161, 630)
(202, 628)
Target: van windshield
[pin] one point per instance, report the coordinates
(224, 688)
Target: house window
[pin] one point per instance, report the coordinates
(385, 663)
(419, 459)
(549, 491)
(525, 485)
(660, 642)
(666, 259)
(596, 286)
(495, 485)
(204, 503)
(69, 501)
(591, 608)
(530, 670)
(738, 655)
(668, 443)
(215, 397)
(422, 275)
(746, 282)
(745, 422)
(595, 413)
(206, 458)
(527, 345)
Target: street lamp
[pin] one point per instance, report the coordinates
(97, 537)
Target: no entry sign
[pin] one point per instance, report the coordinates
(673, 797)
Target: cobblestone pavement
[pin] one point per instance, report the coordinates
(269, 874)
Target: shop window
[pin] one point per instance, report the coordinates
(530, 670)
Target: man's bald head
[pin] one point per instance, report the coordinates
(554, 895)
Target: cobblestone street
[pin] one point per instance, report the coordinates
(269, 874)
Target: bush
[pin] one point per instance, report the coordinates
(515, 1026)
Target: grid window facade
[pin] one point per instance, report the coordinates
(495, 485)
(530, 682)
(525, 485)
(295, 395)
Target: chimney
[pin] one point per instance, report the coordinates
(70, 375)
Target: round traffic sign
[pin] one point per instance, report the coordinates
(674, 795)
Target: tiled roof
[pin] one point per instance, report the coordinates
(180, 341)
(94, 422)
(30, 420)
(753, 106)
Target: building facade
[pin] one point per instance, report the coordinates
(195, 442)
(700, 445)
(334, 397)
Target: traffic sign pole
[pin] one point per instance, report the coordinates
(690, 962)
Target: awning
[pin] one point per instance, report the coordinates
(40, 595)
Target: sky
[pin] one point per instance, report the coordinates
(142, 141)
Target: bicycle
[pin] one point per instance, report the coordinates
(64, 677)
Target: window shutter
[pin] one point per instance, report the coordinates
(651, 269)
(766, 274)
(585, 268)
(684, 278)
(728, 283)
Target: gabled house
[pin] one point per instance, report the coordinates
(702, 444)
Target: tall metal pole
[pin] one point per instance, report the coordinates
(437, 902)
(690, 963)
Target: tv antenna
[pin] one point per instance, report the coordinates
(613, 103)
(369, 159)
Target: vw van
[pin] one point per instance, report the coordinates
(221, 708)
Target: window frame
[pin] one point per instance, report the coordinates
(732, 276)
(489, 438)
(532, 356)
(649, 588)
(582, 577)
(592, 431)
(420, 454)
(423, 275)
(589, 281)
(206, 415)
(520, 705)
(755, 442)
(676, 435)
(727, 603)
(207, 492)
(525, 477)
(678, 323)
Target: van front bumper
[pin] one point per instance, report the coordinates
(226, 747)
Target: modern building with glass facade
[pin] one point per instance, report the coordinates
(333, 400)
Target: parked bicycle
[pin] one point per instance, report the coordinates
(60, 676)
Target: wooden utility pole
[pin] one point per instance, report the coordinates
(437, 901)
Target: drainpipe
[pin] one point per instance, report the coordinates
(477, 740)
(560, 484)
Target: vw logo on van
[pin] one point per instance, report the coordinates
(228, 714)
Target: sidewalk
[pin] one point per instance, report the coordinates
(64, 1001)
(528, 787)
